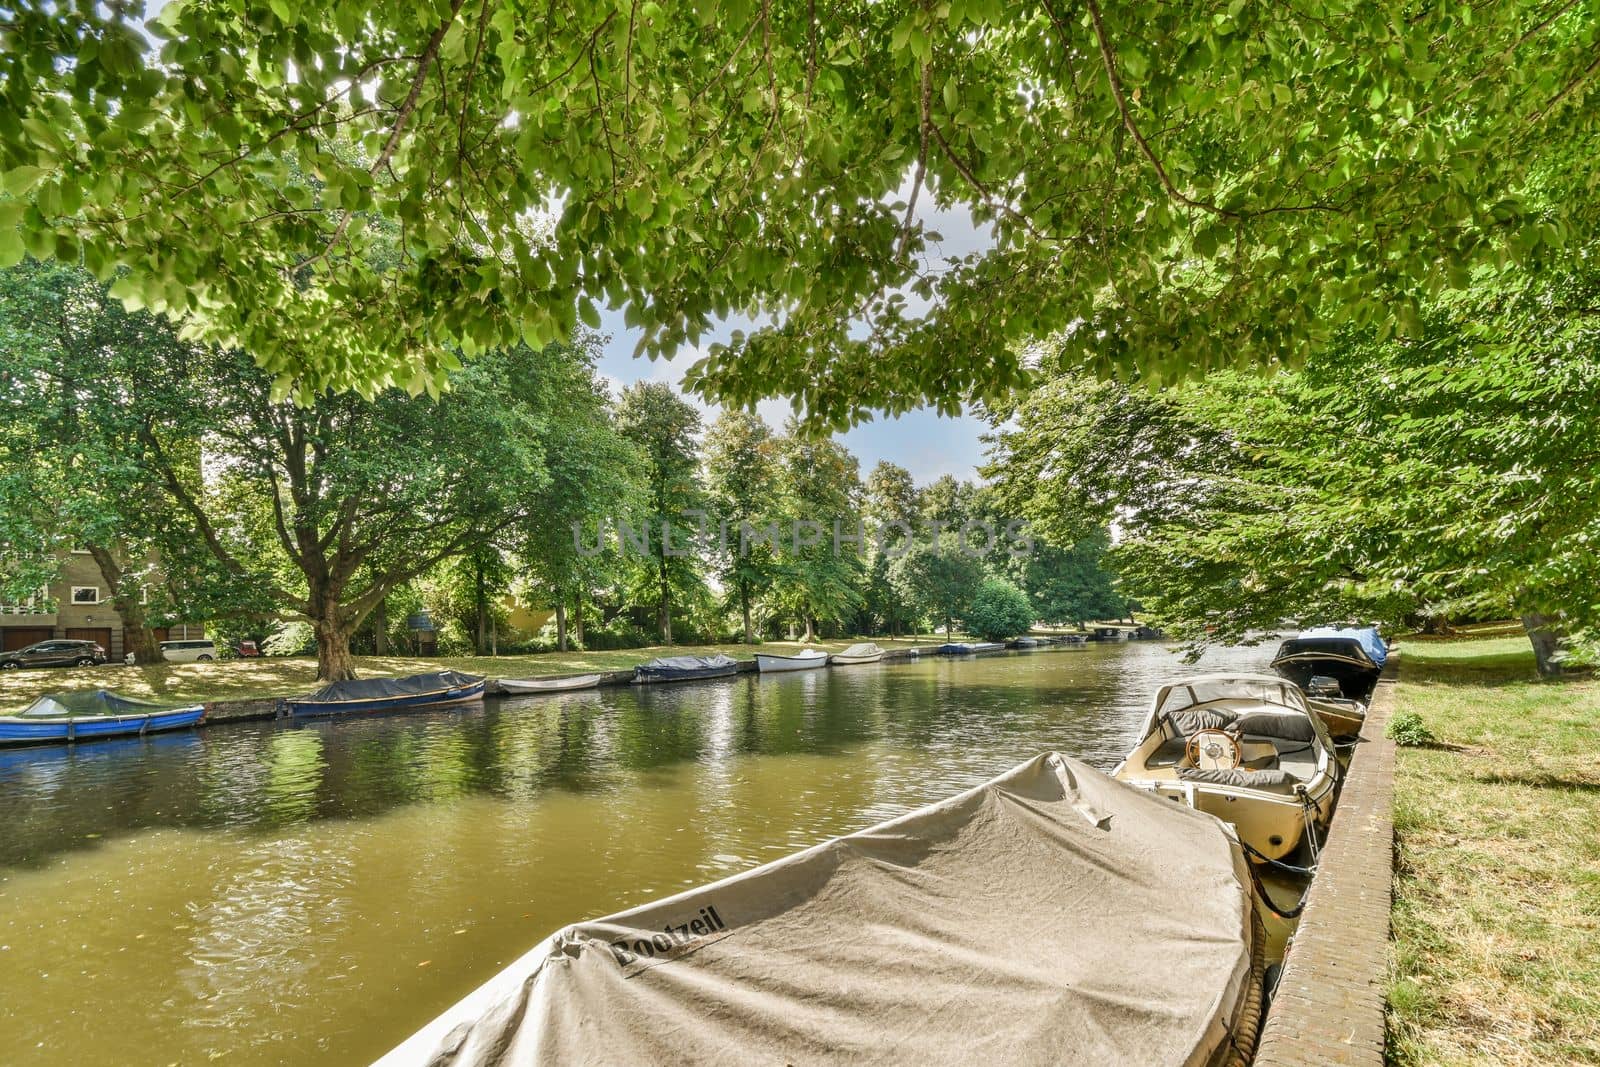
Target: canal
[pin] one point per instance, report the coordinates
(310, 894)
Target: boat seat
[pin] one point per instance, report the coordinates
(1276, 781)
(1170, 754)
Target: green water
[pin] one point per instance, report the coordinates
(310, 894)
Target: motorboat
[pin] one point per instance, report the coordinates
(809, 659)
(519, 686)
(87, 714)
(417, 692)
(1048, 915)
(1245, 748)
(1352, 656)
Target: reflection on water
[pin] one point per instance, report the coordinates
(309, 893)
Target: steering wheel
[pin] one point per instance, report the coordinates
(1214, 750)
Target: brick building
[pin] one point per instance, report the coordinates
(76, 606)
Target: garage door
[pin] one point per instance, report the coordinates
(98, 636)
(15, 637)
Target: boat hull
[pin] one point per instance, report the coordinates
(648, 676)
(19, 731)
(777, 664)
(1341, 721)
(841, 660)
(306, 709)
(520, 686)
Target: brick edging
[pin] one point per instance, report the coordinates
(1329, 1006)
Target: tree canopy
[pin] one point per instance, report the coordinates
(1171, 186)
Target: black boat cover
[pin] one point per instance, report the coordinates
(373, 688)
(90, 702)
(690, 663)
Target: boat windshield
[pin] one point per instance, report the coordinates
(1197, 691)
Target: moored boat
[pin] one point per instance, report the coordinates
(88, 714)
(1045, 916)
(967, 648)
(1245, 748)
(1353, 656)
(519, 686)
(806, 660)
(685, 668)
(866, 652)
(1023, 642)
(360, 696)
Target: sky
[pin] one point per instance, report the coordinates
(922, 441)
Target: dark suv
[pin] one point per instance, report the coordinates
(54, 654)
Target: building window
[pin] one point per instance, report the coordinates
(86, 594)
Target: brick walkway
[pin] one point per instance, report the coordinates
(1330, 1002)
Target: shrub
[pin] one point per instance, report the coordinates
(1407, 728)
(998, 610)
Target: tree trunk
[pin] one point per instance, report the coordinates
(481, 602)
(137, 637)
(333, 652)
(380, 629)
(744, 610)
(811, 627)
(561, 626)
(1545, 637)
(664, 608)
(577, 618)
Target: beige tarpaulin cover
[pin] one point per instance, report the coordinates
(1051, 915)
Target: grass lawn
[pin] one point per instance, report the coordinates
(252, 679)
(1496, 920)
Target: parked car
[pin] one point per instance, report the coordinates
(58, 653)
(247, 649)
(202, 650)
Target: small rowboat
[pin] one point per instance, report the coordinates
(867, 652)
(685, 668)
(83, 716)
(438, 689)
(549, 685)
(801, 661)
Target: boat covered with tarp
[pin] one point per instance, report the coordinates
(1353, 656)
(1050, 915)
(91, 713)
(865, 652)
(356, 696)
(685, 668)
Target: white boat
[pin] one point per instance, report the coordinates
(549, 685)
(1242, 747)
(867, 652)
(800, 661)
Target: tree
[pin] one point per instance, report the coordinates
(1071, 585)
(1167, 185)
(75, 476)
(593, 479)
(819, 577)
(662, 426)
(1446, 471)
(937, 578)
(998, 610)
(891, 508)
(742, 489)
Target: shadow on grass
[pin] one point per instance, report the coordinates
(1540, 781)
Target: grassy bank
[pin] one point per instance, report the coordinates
(1497, 892)
(255, 679)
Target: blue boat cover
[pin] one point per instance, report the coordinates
(1367, 637)
(90, 702)
(372, 688)
(690, 663)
